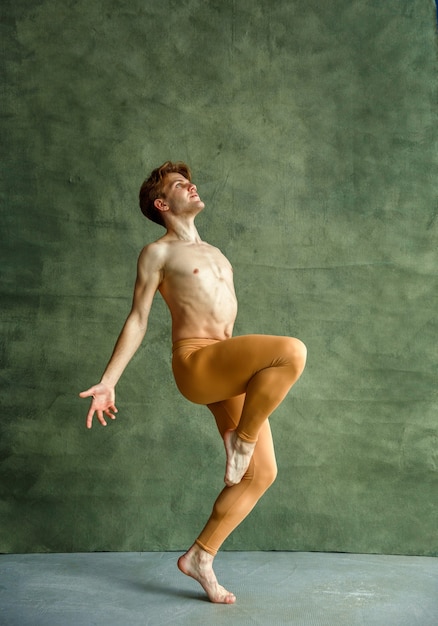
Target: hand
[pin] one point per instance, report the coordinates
(103, 402)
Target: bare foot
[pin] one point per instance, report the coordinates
(198, 564)
(239, 455)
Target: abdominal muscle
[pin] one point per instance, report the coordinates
(201, 305)
(201, 329)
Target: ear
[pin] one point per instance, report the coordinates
(161, 205)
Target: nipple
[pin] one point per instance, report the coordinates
(196, 271)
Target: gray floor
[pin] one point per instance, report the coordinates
(129, 589)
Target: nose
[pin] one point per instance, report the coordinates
(192, 186)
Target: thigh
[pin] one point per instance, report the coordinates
(223, 369)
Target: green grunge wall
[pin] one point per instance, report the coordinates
(311, 129)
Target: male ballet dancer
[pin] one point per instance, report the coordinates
(240, 379)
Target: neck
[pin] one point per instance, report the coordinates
(184, 231)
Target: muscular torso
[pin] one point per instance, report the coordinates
(197, 286)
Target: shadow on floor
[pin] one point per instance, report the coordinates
(272, 588)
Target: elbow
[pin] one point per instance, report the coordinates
(142, 325)
(138, 321)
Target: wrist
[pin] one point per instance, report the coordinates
(108, 382)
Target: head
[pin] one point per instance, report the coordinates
(153, 188)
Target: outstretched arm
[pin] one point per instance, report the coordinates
(149, 276)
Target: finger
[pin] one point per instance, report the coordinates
(90, 418)
(101, 418)
(87, 393)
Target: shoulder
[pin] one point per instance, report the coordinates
(152, 260)
(154, 253)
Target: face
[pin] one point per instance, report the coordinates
(179, 195)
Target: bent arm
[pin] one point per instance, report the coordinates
(149, 276)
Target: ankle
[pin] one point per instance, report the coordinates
(243, 446)
(202, 556)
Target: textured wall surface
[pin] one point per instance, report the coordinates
(311, 129)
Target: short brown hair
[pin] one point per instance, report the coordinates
(152, 188)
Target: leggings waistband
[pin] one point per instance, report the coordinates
(195, 343)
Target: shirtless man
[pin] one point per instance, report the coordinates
(241, 379)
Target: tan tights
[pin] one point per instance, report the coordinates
(241, 380)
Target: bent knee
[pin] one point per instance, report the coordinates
(272, 475)
(266, 476)
(297, 352)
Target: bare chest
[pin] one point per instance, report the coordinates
(198, 262)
